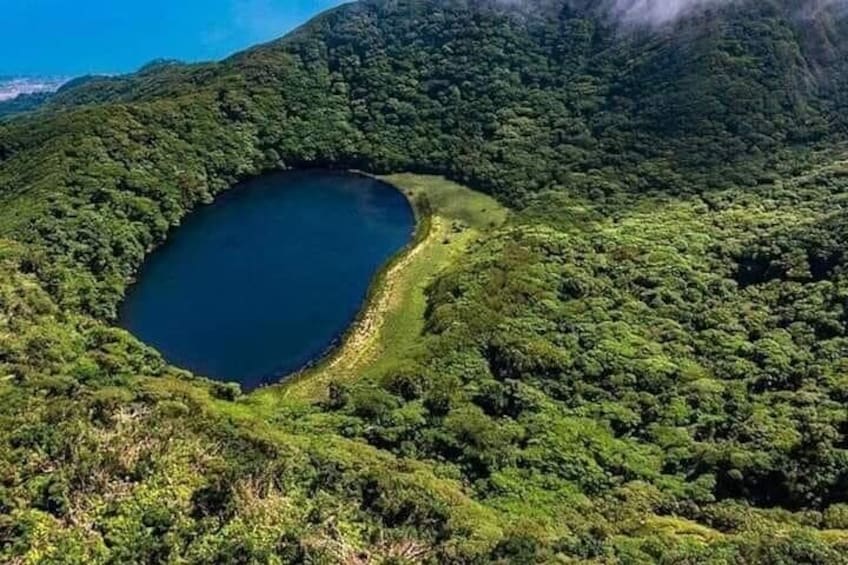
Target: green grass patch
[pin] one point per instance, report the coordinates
(453, 216)
(452, 201)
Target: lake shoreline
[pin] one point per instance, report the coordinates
(377, 290)
(452, 217)
(158, 311)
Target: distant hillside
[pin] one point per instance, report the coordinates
(594, 93)
(23, 103)
(24, 95)
(19, 95)
(11, 87)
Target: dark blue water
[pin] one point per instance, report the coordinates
(261, 282)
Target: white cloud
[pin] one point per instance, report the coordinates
(662, 12)
(657, 12)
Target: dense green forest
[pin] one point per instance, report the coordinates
(23, 103)
(647, 363)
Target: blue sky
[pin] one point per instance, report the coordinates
(74, 37)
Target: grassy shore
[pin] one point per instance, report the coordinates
(450, 218)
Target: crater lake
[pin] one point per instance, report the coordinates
(268, 277)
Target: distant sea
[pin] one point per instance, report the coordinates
(12, 87)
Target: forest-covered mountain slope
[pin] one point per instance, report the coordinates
(647, 363)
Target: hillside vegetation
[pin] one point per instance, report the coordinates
(644, 360)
